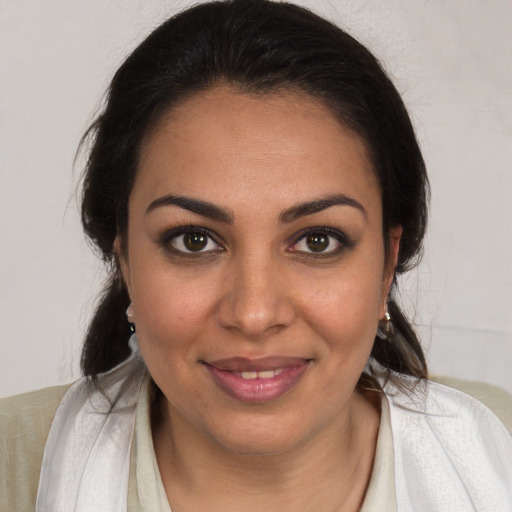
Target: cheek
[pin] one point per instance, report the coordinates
(173, 307)
(171, 318)
(344, 310)
(173, 314)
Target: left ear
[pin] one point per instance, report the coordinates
(394, 235)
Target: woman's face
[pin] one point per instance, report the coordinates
(255, 263)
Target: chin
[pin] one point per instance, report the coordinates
(260, 436)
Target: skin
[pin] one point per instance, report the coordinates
(257, 290)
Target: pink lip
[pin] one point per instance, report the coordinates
(227, 374)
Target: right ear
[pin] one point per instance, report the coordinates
(123, 263)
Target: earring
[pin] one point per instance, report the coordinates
(385, 329)
(130, 315)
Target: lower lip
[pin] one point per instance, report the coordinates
(258, 390)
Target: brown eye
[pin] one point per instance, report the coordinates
(317, 242)
(321, 242)
(193, 242)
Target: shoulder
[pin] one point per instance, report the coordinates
(494, 398)
(38, 400)
(29, 414)
(449, 447)
(24, 425)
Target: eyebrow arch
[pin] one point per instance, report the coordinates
(317, 205)
(203, 208)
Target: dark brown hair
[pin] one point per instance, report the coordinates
(256, 46)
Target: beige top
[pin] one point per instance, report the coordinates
(25, 422)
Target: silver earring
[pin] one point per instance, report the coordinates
(385, 329)
(130, 315)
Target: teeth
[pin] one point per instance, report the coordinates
(249, 375)
(266, 374)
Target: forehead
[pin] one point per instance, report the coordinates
(221, 142)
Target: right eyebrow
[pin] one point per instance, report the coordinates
(203, 208)
(317, 205)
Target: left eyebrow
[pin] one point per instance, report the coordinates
(317, 205)
(198, 206)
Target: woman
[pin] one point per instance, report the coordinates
(255, 185)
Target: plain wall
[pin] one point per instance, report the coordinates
(451, 62)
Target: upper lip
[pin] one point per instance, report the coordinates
(245, 364)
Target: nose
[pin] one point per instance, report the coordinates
(257, 301)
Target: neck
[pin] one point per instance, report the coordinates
(329, 471)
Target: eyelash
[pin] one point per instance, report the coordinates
(166, 241)
(343, 241)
